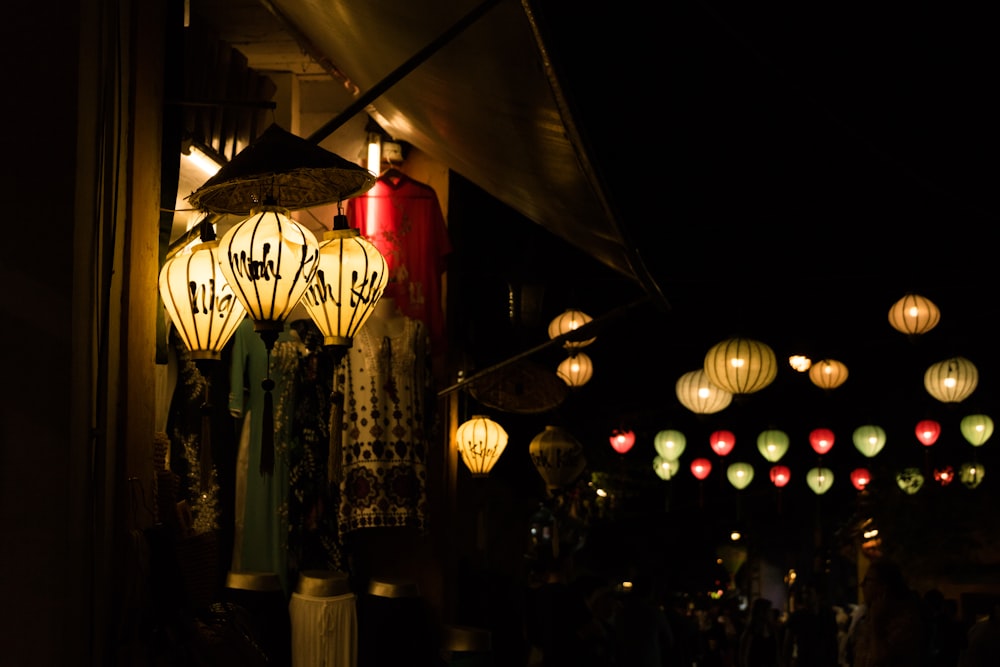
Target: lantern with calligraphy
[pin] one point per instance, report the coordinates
(772, 444)
(928, 431)
(976, 429)
(821, 440)
(952, 380)
(557, 456)
(480, 441)
(741, 365)
(869, 439)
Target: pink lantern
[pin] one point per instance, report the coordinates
(821, 440)
(928, 431)
(860, 478)
(622, 441)
(780, 475)
(700, 468)
(722, 442)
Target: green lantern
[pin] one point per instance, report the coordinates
(977, 429)
(665, 468)
(740, 475)
(670, 444)
(910, 480)
(819, 480)
(971, 474)
(869, 439)
(773, 444)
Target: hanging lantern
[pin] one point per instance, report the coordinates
(670, 444)
(780, 476)
(622, 441)
(821, 440)
(201, 304)
(860, 478)
(700, 468)
(800, 362)
(480, 441)
(576, 369)
(568, 322)
(741, 365)
(557, 456)
(944, 476)
(976, 429)
(828, 373)
(722, 442)
(740, 474)
(699, 395)
(772, 444)
(928, 431)
(819, 480)
(972, 474)
(910, 480)
(914, 315)
(351, 278)
(665, 468)
(951, 380)
(869, 439)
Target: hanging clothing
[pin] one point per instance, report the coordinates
(402, 217)
(385, 381)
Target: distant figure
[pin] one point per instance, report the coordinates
(945, 631)
(983, 641)
(810, 638)
(759, 645)
(892, 632)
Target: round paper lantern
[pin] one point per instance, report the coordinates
(201, 304)
(951, 380)
(576, 369)
(821, 440)
(269, 260)
(828, 373)
(665, 468)
(699, 395)
(914, 315)
(944, 476)
(480, 441)
(910, 480)
(869, 439)
(977, 429)
(819, 480)
(557, 456)
(722, 442)
(670, 444)
(971, 474)
(860, 478)
(740, 474)
(780, 475)
(622, 441)
(566, 323)
(928, 431)
(772, 444)
(700, 468)
(741, 365)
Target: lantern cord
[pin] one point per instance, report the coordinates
(205, 453)
(267, 429)
(335, 425)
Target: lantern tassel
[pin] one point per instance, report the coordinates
(267, 430)
(205, 454)
(334, 463)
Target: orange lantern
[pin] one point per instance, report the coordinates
(722, 442)
(622, 441)
(928, 431)
(828, 373)
(860, 478)
(780, 476)
(914, 315)
(821, 440)
(741, 365)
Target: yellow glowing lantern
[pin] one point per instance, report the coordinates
(699, 395)
(828, 373)
(568, 322)
(914, 315)
(741, 365)
(971, 474)
(576, 369)
(480, 441)
(952, 380)
(557, 456)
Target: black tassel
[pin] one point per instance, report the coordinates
(267, 430)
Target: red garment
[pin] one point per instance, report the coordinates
(403, 218)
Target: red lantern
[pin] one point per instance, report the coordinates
(622, 441)
(821, 440)
(928, 431)
(700, 468)
(780, 475)
(944, 476)
(722, 442)
(860, 478)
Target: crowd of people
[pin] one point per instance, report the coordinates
(589, 622)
